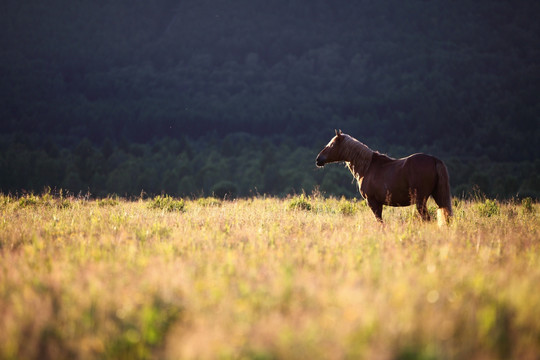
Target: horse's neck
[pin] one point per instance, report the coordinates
(358, 170)
(359, 159)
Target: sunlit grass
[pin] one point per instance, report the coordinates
(261, 278)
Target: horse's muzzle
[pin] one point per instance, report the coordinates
(320, 161)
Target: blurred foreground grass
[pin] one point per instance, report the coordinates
(266, 278)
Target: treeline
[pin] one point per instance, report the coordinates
(237, 165)
(458, 80)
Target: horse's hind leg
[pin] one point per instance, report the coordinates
(421, 206)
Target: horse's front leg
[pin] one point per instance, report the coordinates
(376, 207)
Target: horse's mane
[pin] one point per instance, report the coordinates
(358, 155)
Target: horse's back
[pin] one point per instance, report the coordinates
(420, 159)
(421, 171)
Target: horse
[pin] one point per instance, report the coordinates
(383, 180)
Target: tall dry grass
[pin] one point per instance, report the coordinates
(266, 278)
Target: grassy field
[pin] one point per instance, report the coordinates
(266, 278)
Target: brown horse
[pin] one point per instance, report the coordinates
(383, 180)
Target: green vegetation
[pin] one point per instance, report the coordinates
(209, 201)
(167, 203)
(488, 208)
(527, 204)
(253, 278)
(108, 201)
(347, 207)
(300, 203)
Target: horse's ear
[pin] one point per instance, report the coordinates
(338, 132)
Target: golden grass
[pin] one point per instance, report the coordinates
(261, 278)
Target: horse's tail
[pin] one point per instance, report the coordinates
(442, 195)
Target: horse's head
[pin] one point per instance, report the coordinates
(332, 152)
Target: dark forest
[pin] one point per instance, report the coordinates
(201, 97)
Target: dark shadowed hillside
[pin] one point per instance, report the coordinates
(187, 97)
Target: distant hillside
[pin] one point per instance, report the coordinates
(458, 79)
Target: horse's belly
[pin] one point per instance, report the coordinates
(393, 200)
(387, 197)
(395, 195)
